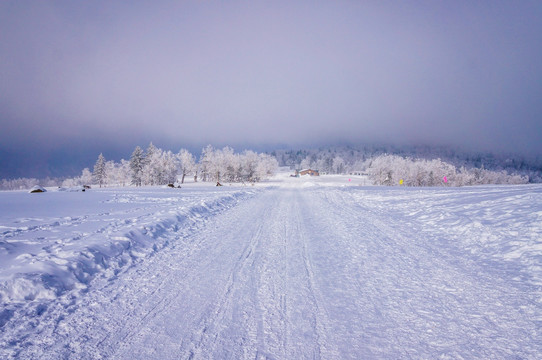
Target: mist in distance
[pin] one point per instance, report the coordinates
(83, 78)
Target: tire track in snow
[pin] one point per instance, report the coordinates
(200, 334)
(267, 305)
(326, 345)
(290, 319)
(275, 301)
(210, 326)
(215, 278)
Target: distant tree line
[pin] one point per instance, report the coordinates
(155, 166)
(416, 166)
(385, 165)
(396, 170)
(27, 183)
(159, 167)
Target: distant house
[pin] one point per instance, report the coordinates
(307, 172)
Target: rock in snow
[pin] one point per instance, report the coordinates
(37, 189)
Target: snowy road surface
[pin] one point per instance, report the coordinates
(312, 272)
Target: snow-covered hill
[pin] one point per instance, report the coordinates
(294, 268)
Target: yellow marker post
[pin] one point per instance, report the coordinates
(401, 182)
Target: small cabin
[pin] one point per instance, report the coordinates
(307, 172)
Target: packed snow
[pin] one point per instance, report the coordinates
(311, 267)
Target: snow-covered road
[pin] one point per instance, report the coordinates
(315, 272)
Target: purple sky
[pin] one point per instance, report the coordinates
(103, 76)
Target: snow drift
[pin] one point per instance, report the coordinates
(45, 256)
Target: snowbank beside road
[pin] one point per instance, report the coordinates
(59, 241)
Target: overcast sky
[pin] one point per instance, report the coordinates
(79, 78)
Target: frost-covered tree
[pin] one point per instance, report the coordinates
(186, 163)
(151, 149)
(232, 165)
(86, 177)
(216, 165)
(20, 183)
(112, 173)
(124, 172)
(100, 174)
(118, 173)
(206, 160)
(224, 165)
(137, 161)
(267, 166)
(151, 171)
(338, 165)
(159, 167)
(249, 161)
(390, 169)
(196, 172)
(71, 182)
(306, 163)
(227, 163)
(169, 164)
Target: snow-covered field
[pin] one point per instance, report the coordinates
(294, 268)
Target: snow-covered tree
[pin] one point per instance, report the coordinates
(137, 161)
(306, 163)
(124, 172)
(86, 177)
(99, 174)
(390, 169)
(267, 166)
(216, 165)
(111, 171)
(232, 164)
(169, 164)
(71, 182)
(227, 164)
(249, 161)
(151, 172)
(205, 162)
(186, 163)
(224, 165)
(338, 165)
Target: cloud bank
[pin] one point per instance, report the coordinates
(108, 75)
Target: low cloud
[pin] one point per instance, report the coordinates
(195, 73)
